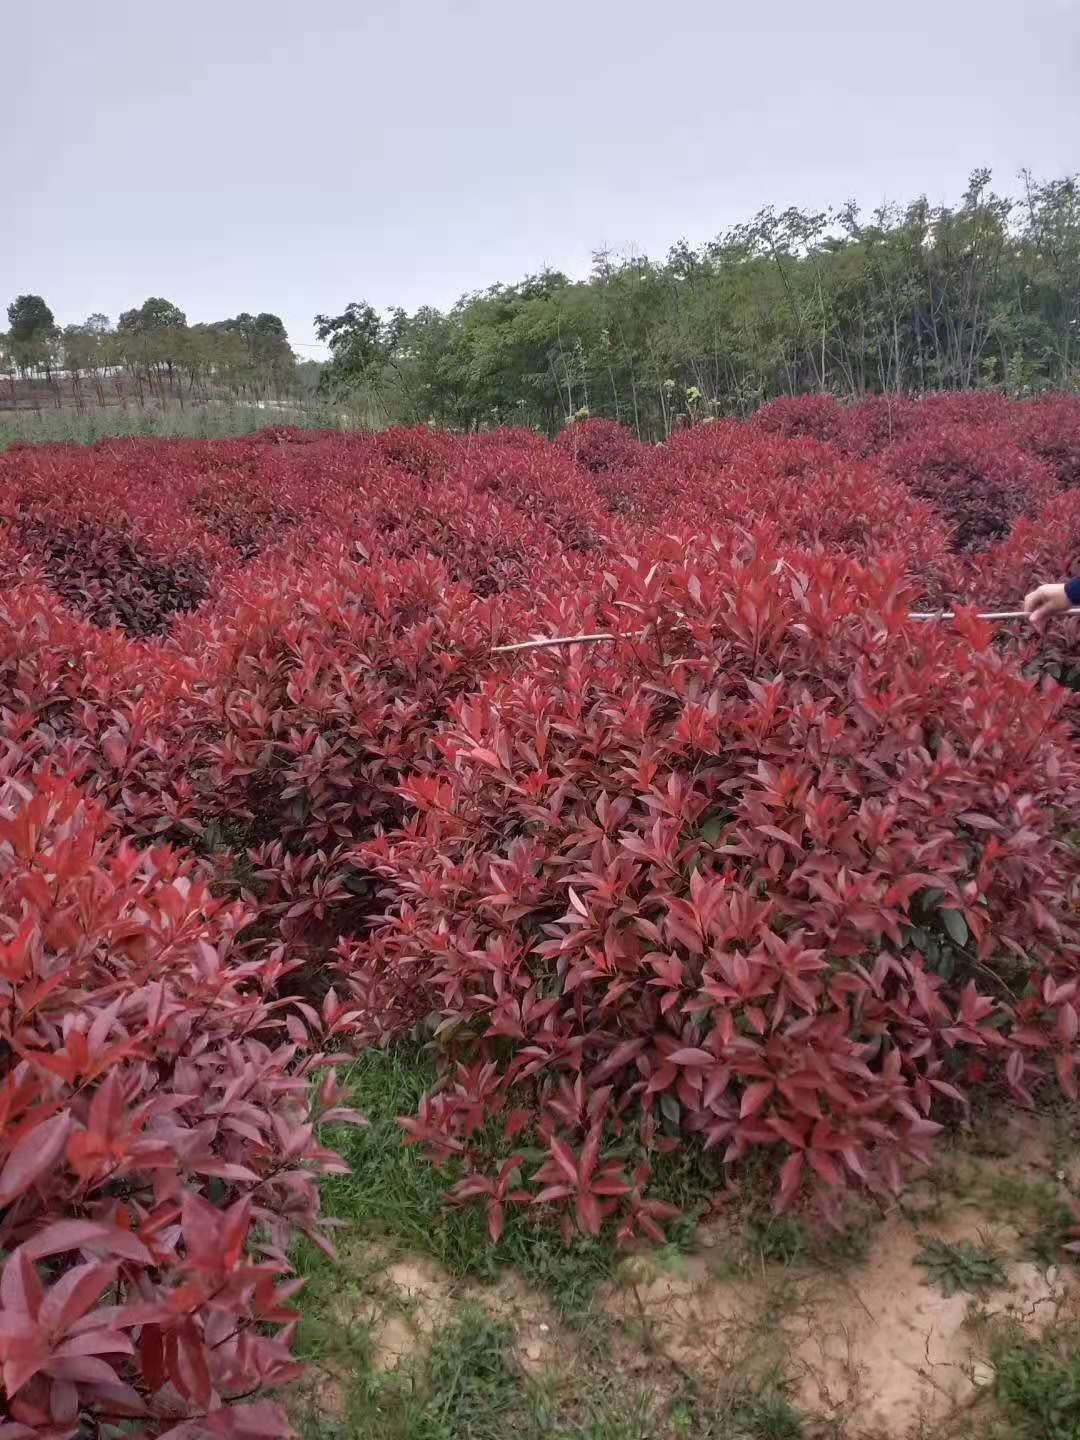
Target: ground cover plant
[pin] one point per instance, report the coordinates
(777, 873)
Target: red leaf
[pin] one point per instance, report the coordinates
(65, 1235)
(564, 1158)
(692, 1057)
(38, 1151)
(754, 1097)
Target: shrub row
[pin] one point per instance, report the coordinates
(779, 868)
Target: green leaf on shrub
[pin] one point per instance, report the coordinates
(955, 926)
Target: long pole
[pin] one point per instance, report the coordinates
(550, 641)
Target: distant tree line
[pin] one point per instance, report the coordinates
(908, 298)
(153, 351)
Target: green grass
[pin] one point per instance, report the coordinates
(1035, 1206)
(216, 421)
(1044, 1218)
(470, 1382)
(470, 1386)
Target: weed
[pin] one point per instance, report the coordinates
(962, 1266)
(767, 1416)
(1038, 1383)
(1045, 1218)
(781, 1239)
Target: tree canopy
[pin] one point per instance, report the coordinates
(153, 314)
(30, 318)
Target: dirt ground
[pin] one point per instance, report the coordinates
(869, 1348)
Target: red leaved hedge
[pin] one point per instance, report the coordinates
(778, 869)
(979, 482)
(768, 877)
(155, 1118)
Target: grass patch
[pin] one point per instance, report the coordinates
(470, 1385)
(216, 421)
(1042, 1216)
(777, 1239)
(467, 1385)
(766, 1416)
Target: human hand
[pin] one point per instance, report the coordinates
(1047, 600)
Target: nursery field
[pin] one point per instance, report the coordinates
(673, 1033)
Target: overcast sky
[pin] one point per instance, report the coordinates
(274, 155)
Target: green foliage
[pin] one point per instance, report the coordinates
(907, 298)
(1042, 1215)
(766, 1416)
(964, 1266)
(359, 344)
(30, 318)
(153, 314)
(152, 358)
(1038, 1383)
(781, 1239)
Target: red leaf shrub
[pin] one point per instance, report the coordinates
(601, 445)
(665, 880)
(1038, 550)
(979, 482)
(876, 422)
(779, 868)
(99, 572)
(815, 417)
(154, 1114)
(1050, 429)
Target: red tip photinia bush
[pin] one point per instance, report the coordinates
(978, 482)
(601, 445)
(1050, 429)
(817, 417)
(157, 1144)
(779, 869)
(766, 877)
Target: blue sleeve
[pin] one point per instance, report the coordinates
(1072, 590)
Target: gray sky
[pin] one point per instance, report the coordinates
(269, 154)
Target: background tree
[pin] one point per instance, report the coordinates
(30, 318)
(153, 314)
(357, 342)
(906, 298)
(31, 335)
